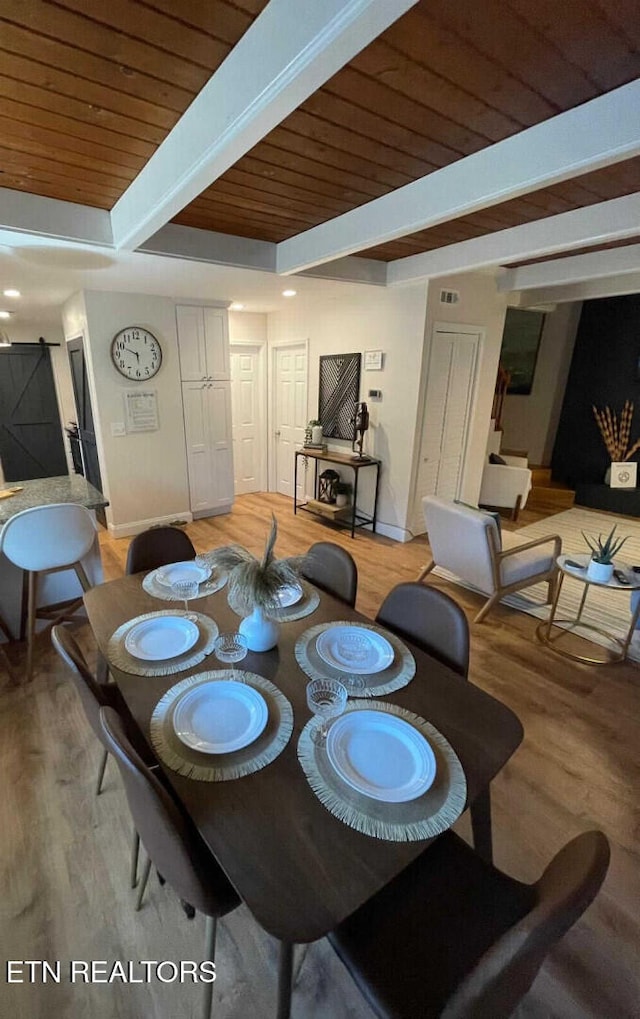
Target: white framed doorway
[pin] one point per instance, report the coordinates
(449, 392)
(249, 415)
(288, 414)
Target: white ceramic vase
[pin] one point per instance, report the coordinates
(260, 632)
(342, 499)
(601, 573)
(316, 435)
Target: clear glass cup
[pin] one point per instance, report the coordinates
(230, 647)
(183, 590)
(327, 699)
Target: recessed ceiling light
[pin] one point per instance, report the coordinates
(11, 292)
(5, 314)
(236, 306)
(289, 293)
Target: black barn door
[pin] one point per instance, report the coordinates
(31, 444)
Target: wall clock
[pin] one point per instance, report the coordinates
(136, 353)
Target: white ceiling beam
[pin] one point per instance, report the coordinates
(611, 286)
(288, 52)
(595, 224)
(573, 269)
(596, 134)
(50, 217)
(176, 241)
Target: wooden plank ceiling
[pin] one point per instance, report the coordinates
(88, 90)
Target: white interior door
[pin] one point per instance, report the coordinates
(289, 411)
(249, 425)
(449, 394)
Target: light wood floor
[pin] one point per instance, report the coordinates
(64, 853)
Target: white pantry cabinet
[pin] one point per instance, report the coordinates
(203, 344)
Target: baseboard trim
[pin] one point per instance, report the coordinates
(393, 532)
(137, 526)
(216, 512)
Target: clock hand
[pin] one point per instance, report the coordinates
(132, 352)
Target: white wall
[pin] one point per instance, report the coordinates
(530, 422)
(144, 474)
(369, 318)
(480, 305)
(248, 326)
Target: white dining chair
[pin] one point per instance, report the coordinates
(43, 540)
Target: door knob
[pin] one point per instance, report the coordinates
(277, 434)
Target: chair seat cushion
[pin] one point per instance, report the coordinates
(410, 946)
(517, 568)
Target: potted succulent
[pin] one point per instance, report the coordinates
(343, 490)
(600, 568)
(253, 587)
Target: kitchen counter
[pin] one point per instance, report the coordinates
(45, 491)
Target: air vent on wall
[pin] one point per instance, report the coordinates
(449, 296)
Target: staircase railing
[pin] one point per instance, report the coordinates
(502, 384)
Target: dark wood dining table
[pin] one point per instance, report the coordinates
(298, 868)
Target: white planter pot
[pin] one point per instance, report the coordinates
(342, 499)
(316, 435)
(600, 572)
(261, 633)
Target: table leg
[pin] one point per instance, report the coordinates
(582, 601)
(355, 501)
(285, 979)
(480, 811)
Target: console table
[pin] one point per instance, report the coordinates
(353, 517)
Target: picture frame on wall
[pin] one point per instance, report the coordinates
(339, 391)
(520, 346)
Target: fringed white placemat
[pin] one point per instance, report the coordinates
(152, 586)
(423, 818)
(377, 684)
(222, 767)
(307, 604)
(120, 657)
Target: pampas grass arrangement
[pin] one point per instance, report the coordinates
(254, 583)
(615, 433)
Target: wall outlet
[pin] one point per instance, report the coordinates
(118, 429)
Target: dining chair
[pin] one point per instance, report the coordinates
(157, 547)
(44, 540)
(430, 619)
(456, 938)
(171, 842)
(93, 696)
(331, 568)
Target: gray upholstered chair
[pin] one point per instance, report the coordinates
(430, 619)
(331, 568)
(171, 841)
(453, 937)
(157, 547)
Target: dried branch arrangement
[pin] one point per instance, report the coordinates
(615, 433)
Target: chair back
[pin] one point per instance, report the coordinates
(47, 537)
(331, 568)
(459, 541)
(431, 620)
(173, 845)
(91, 694)
(157, 547)
(506, 971)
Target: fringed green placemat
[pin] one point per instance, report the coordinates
(222, 767)
(422, 818)
(307, 604)
(153, 587)
(377, 684)
(120, 657)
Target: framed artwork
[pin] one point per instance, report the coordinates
(373, 360)
(339, 393)
(520, 345)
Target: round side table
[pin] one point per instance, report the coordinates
(550, 632)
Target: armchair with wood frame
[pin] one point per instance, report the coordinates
(467, 542)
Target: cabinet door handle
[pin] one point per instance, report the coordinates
(277, 434)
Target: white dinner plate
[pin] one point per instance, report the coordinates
(354, 649)
(189, 570)
(288, 595)
(220, 716)
(381, 756)
(161, 637)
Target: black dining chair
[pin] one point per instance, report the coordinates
(93, 696)
(431, 620)
(331, 568)
(157, 547)
(170, 840)
(455, 938)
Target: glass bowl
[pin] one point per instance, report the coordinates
(230, 647)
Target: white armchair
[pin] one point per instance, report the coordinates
(467, 542)
(506, 485)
